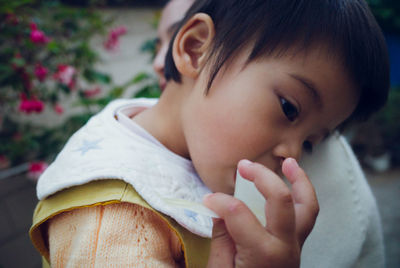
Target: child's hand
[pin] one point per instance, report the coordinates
(239, 239)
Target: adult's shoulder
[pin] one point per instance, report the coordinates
(334, 164)
(348, 223)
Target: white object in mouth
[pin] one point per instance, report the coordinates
(192, 206)
(247, 192)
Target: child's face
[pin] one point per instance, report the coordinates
(263, 112)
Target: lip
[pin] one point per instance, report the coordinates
(162, 84)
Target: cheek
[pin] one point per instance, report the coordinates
(223, 136)
(213, 135)
(211, 149)
(160, 56)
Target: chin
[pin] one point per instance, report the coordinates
(227, 189)
(162, 83)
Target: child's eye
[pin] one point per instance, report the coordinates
(308, 147)
(289, 109)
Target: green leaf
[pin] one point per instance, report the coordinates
(150, 47)
(52, 46)
(5, 72)
(149, 91)
(116, 92)
(19, 62)
(140, 77)
(10, 6)
(64, 88)
(94, 76)
(385, 13)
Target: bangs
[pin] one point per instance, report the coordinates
(346, 28)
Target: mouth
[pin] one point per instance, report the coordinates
(278, 167)
(162, 83)
(233, 186)
(279, 173)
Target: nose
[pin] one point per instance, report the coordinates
(292, 148)
(159, 61)
(158, 64)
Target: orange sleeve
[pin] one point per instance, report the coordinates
(123, 235)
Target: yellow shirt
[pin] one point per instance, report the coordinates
(107, 222)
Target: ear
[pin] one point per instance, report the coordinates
(192, 43)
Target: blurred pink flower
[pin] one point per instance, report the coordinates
(4, 162)
(58, 108)
(36, 169)
(33, 26)
(65, 75)
(40, 72)
(90, 93)
(120, 30)
(37, 36)
(30, 105)
(112, 42)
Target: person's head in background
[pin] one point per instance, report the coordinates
(171, 15)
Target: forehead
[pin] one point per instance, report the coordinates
(173, 12)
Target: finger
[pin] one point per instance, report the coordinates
(235, 213)
(222, 251)
(305, 198)
(280, 213)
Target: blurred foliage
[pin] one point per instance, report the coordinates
(151, 88)
(46, 57)
(387, 13)
(67, 26)
(381, 134)
(389, 119)
(116, 3)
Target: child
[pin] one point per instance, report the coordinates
(333, 158)
(282, 78)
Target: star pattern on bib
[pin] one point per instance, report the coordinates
(88, 145)
(191, 214)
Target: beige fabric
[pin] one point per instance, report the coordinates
(102, 193)
(117, 235)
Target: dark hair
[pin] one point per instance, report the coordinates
(346, 27)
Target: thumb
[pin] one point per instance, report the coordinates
(222, 250)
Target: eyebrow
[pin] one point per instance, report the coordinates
(171, 29)
(310, 86)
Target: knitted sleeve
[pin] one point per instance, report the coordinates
(122, 235)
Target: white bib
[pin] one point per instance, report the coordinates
(105, 149)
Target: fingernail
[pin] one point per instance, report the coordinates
(206, 196)
(245, 162)
(294, 162)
